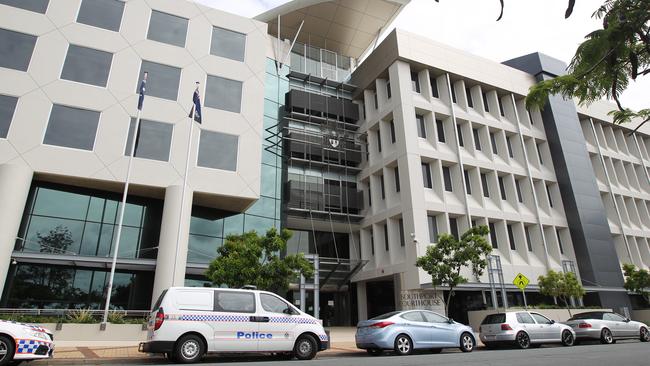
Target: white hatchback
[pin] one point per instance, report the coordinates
(23, 342)
(188, 322)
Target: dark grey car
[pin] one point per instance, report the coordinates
(607, 327)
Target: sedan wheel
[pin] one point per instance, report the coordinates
(403, 345)
(523, 340)
(467, 342)
(606, 336)
(645, 335)
(7, 350)
(567, 338)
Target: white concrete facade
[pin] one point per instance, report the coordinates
(104, 166)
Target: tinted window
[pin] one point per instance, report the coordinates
(414, 316)
(484, 183)
(446, 174)
(494, 319)
(459, 130)
(493, 236)
(525, 318)
(587, 316)
(613, 317)
(433, 229)
(163, 80)
(105, 14)
(422, 131)
(441, 130)
(153, 142)
(426, 175)
(167, 28)
(228, 44)
(434, 318)
(273, 304)
(71, 127)
(540, 319)
(434, 88)
(16, 49)
(38, 6)
(236, 302)
(87, 65)
(160, 300)
(385, 316)
(7, 108)
(468, 183)
(477, 139)
(218, 150)
(224, 94)
(511, 237)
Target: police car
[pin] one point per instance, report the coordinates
(22, 342)
(188, 322)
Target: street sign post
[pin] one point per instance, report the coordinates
(522, 282)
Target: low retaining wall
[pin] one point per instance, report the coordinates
(641, 316)
(125, 335)
(559, 315)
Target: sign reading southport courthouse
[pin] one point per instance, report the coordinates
(421, 300)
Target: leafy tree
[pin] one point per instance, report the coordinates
(561, 285)
(637, 280)
(251, 259)
(606, 61)
(449, 256)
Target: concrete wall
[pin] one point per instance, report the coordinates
(559, 315)
(641, 316)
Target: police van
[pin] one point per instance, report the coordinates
(188, 322)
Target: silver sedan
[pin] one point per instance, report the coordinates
(607, 327)
(524, 329)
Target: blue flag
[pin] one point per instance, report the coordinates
(196, 105)
(142, 89)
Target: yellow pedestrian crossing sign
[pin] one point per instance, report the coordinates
(521, 281)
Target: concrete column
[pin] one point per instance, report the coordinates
(170, 269)
(362, 301)
(15, 181)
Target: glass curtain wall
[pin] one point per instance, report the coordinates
(209, 227)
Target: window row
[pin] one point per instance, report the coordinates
(617, 140)
(163, 27)
(621, 173)
(503, 234)
(77, 128)
(634, 212)
(391, 231)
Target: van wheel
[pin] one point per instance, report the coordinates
(189, 349)
(305, 348)
(7, 350)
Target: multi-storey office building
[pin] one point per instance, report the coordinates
(365, 151)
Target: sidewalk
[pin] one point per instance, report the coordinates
(130, 355)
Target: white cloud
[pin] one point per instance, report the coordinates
(527, 26)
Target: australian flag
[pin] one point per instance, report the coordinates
(196, 105)
(143, 84)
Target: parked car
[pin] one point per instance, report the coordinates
(607, 327)
(23, 342)
(524, 329)
(188, 322)
(405, 331)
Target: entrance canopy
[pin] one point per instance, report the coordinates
(347, 27)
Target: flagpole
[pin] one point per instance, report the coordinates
(123, 204)
(187, 167)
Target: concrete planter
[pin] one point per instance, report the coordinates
(85, 335)
(559, 315)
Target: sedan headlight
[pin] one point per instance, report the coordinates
(39, 335)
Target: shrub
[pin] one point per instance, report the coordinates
(83, 316)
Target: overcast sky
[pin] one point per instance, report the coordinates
(527, 26)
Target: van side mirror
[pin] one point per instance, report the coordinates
(288, 311)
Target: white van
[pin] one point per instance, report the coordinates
(188, 322)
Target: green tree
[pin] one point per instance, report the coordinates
(637, 280)
(445, 260)
(561, 285)
(606, 61)
(251, 259)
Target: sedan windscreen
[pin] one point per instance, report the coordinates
(385, 316)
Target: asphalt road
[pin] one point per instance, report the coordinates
(623, 353)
